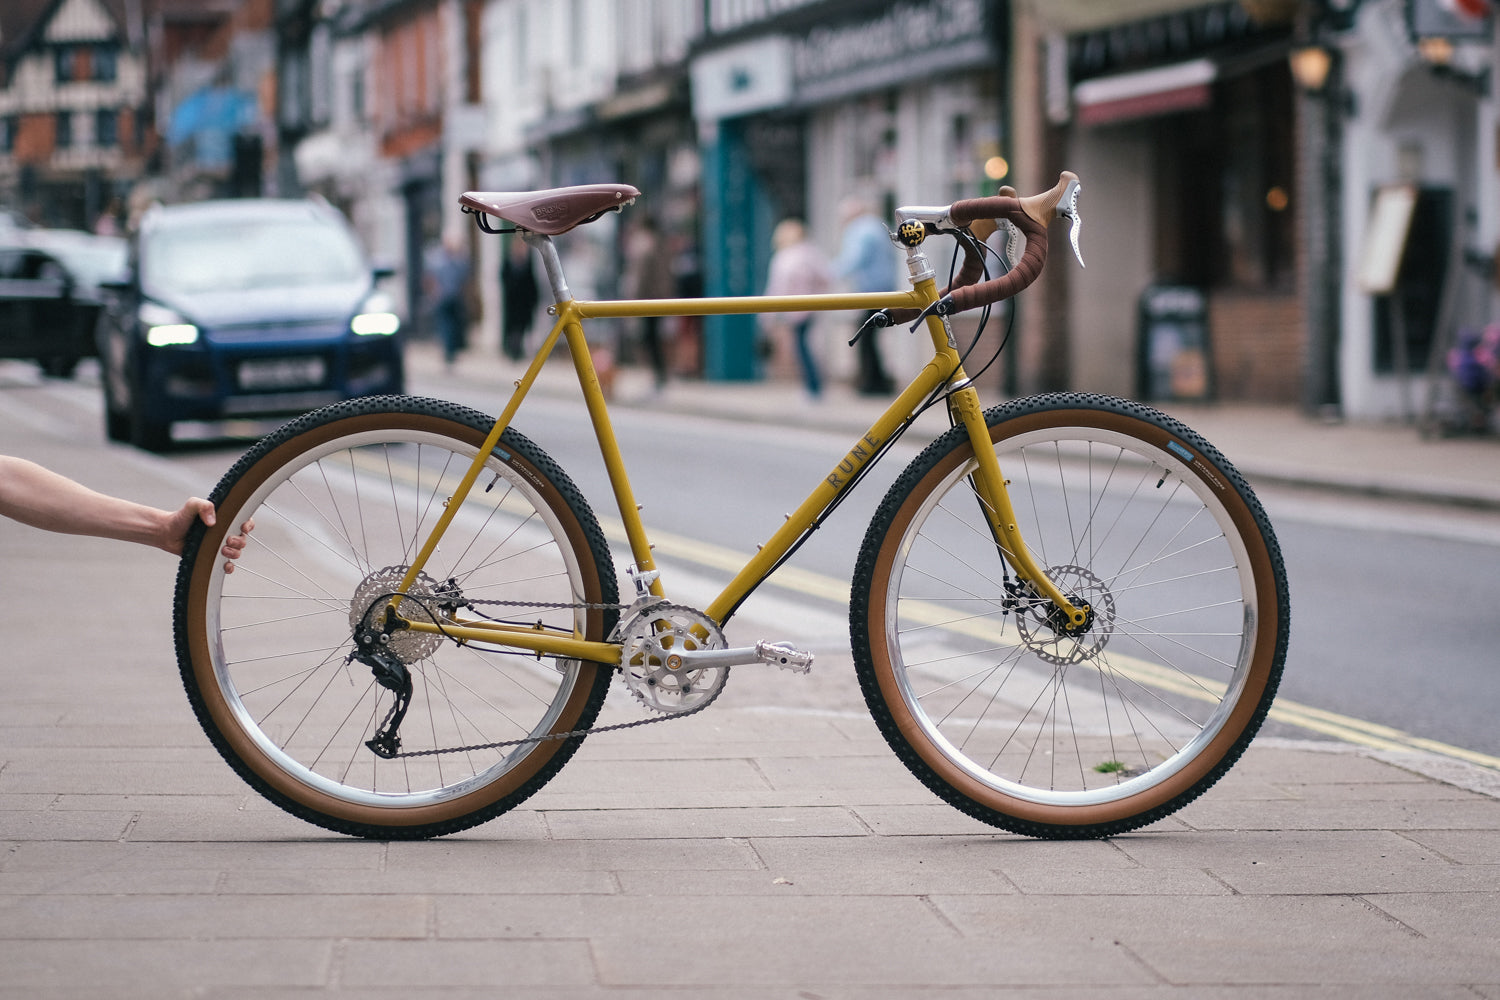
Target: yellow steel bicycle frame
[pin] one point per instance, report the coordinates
(944, 367)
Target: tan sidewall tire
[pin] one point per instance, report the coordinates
(241, 744)
(1185, 781)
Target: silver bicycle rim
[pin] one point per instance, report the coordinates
(1101, 717)
(354, 506)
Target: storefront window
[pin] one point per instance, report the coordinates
(1406, 322)
(1225, 190)
(106, 128)
(1257, 174)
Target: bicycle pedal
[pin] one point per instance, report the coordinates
(784, 655)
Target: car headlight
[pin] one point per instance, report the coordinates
(381, 324)
(376, 317)
(166, 327)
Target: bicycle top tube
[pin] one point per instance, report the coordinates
(737, 304)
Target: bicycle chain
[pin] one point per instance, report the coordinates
(553, 737)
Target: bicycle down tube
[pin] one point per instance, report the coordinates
(945, 367)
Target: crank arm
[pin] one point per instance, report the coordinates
(781, 654)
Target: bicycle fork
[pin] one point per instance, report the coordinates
(990, 485)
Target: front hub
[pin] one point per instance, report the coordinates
(1046, 629)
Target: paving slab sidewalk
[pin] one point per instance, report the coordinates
(753, 851)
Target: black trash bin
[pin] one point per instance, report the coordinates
(1173, 359)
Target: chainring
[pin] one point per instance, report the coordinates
(646, 658)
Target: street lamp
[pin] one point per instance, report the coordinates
(1310, 67)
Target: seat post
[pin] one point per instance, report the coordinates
(552, 262)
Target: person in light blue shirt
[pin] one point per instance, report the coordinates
(867, 263)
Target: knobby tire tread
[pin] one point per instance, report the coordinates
(862, 595)
(560, 751)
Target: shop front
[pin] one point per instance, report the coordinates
(1421, 201)
(894, 103)
(1183, 129)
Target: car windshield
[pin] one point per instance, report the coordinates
(242, 256)
(91, 263)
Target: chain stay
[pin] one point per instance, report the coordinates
(553, 737)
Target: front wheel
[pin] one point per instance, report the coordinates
(343, 499)
(1006, 711)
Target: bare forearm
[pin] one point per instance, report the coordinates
(43, 499)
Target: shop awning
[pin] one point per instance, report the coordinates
(1070, 16)
(1180, 87)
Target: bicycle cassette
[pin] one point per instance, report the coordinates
(423, 601)
(654, 674)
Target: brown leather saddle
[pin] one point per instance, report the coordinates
(551, 211)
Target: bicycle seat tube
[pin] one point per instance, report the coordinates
(566, 309)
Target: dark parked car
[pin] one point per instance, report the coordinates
(252, 307)
(49, 293)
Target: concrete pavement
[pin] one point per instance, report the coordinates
(754, 851)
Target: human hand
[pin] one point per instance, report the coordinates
(175, 528)
(234, 545)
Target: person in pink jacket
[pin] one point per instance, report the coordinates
(798, 267)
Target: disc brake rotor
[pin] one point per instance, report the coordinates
(1048, 639)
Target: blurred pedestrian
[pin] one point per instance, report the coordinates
(798, 267)
(37, 496)
(866, 261)
(447, 283)
(519, 289)
(108, 223)
(648, 275)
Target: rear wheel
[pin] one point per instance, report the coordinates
(342, 500)
(992, 700)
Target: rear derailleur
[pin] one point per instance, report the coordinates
(384, 643)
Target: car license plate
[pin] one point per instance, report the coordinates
(281, 373)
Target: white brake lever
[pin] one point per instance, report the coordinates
(1012, 242)
(1067, 208)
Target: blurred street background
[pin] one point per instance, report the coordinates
(1286, 202)
(1291, 218)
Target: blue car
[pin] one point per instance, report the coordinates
(251, 307)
